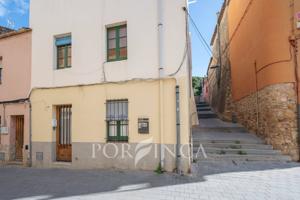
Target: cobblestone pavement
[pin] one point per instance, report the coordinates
(209, 180)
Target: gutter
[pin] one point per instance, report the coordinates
(15, 101)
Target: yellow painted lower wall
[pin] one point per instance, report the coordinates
(89, 110)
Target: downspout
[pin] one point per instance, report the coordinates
(161, 63)
(189, 63)
(297, 95)
(30, 134)
(257, 98)
(294, 43)
(178, 156)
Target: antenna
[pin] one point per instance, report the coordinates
(10, 24)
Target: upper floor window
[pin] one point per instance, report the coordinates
(117, 43)
(64, 52)
(1, 68)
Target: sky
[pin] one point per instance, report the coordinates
(15, 14)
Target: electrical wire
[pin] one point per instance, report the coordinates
(200, 36)
(186, 44)
(238, 25)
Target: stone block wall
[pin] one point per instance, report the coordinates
(219, 79)
(272, 115)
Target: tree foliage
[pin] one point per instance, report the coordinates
(197, 85)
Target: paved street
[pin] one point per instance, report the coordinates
(210, 180)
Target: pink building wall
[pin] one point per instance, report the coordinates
(15, 50)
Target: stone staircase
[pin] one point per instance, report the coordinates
(217, 140)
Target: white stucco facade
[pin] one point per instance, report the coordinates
(86, 21)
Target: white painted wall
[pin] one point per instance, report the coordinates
(86, 21)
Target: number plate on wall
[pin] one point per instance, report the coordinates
(3, 130)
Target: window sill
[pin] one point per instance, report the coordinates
(58, 69)
(112, 140)
(117, 60)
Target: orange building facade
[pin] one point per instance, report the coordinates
(262, 49)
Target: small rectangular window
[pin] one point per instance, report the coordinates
(117, 43)
(64, 52)
(117, 120)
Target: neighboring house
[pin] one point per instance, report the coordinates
(104, 78)
(15, 73)
(5, 30)
(219, 74)
(261, 76)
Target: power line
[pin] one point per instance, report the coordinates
(200, 36)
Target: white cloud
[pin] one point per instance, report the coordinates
(3, 9)
(21, 6)
(15, 6)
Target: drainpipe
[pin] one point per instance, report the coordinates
(161, 57)
(294, 43)
(257, 98)
(189, 63)
(30, 134)
(297, 95)
(178, 156)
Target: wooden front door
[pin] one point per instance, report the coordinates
(64, 133)
(19, 137)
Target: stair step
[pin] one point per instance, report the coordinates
(228, 151)
(220, 130)
(202, 141)
(202, 105)
(204, 109)
(206, 112)
(234, 137)
(207, 116)
(216, 157)
(235, 146)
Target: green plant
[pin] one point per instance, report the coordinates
(197, 85)
(235, 146)
(242, 153)
(222, 152)
(238, 142)
(159, 169)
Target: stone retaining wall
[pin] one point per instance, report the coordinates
(276, 106)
